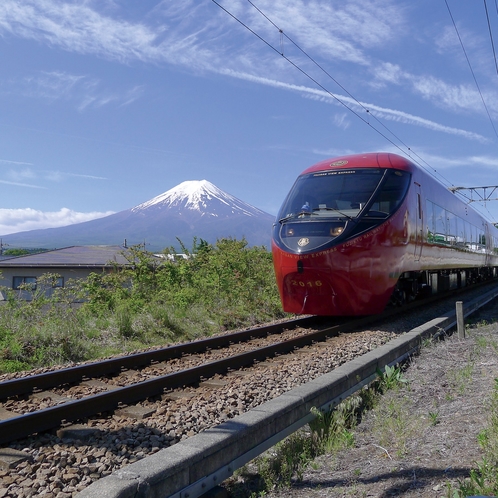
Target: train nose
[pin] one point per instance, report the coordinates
(305, 291)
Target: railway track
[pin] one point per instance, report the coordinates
(172, 414)
(117, 388)
(15, 426)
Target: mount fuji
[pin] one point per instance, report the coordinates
(191, 209)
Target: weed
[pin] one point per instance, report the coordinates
(427, 342)
(460, 378)
(483, 479)
(328, 433)
(391, 378)
(434, 418)
(483, 438)
(481, 342)
(147, 303)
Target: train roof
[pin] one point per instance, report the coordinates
(368, 160)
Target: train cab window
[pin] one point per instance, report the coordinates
(346, 194)
(390, 195)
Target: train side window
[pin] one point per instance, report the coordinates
(429, 213)
(477, 237)
(452, 228)
(468, 235)
(440, 216)
(461, 232)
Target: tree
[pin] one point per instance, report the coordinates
(15, 252)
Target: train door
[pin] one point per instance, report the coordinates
(419, 222)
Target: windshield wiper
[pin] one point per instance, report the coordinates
(286, 218)
(350, 218)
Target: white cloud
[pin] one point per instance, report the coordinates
(59, 176)
(20, 220)
(463, 97)
(448, 43)
(454, 97)
(341, 121)
(171, 33)
(18, 175)
(446, 163)
(51, 85)
(381, 112)
(201, 36)
(85, 91)
(446, 40)
(6, 161)
(20, 184)
(386, 72)
(77, 28)
(486, 161)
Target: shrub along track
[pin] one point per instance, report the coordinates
(70, 460)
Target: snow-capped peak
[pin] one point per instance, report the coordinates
(199, 195)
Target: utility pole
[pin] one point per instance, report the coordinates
(483, 194)
(478, 194)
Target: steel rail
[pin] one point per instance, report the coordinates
(52, 417)
(71, 375)
(24, 425)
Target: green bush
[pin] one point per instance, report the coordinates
(151, 301)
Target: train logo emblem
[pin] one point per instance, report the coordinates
(339, 163)
(303, 242)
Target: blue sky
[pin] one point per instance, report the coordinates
(105, 104)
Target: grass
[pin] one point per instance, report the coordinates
(434, 418)
(483, 479)
(329, 433)
(225, 286)
(48, 332)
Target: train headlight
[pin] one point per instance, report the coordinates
(290, 232)
(336, 231)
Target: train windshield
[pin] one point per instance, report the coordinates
(345, 194)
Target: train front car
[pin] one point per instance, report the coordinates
(343, 234)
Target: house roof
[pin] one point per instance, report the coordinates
(70, 257)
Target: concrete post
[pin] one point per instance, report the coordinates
(460, 322)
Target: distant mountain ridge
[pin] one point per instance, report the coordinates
(191, 209)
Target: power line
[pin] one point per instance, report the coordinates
(491, 33)
(281, 53)
(409, 149)
(470, 66)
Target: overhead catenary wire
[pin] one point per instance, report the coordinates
(282, 34)
(470, 66)
(410, 152)
(491, 34)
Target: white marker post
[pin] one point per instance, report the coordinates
(460, 322)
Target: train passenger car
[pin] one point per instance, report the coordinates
(360, 231)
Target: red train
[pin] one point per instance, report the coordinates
(360, 231)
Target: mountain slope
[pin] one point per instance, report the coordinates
(192, 209)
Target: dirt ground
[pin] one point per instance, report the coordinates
(421, 440)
